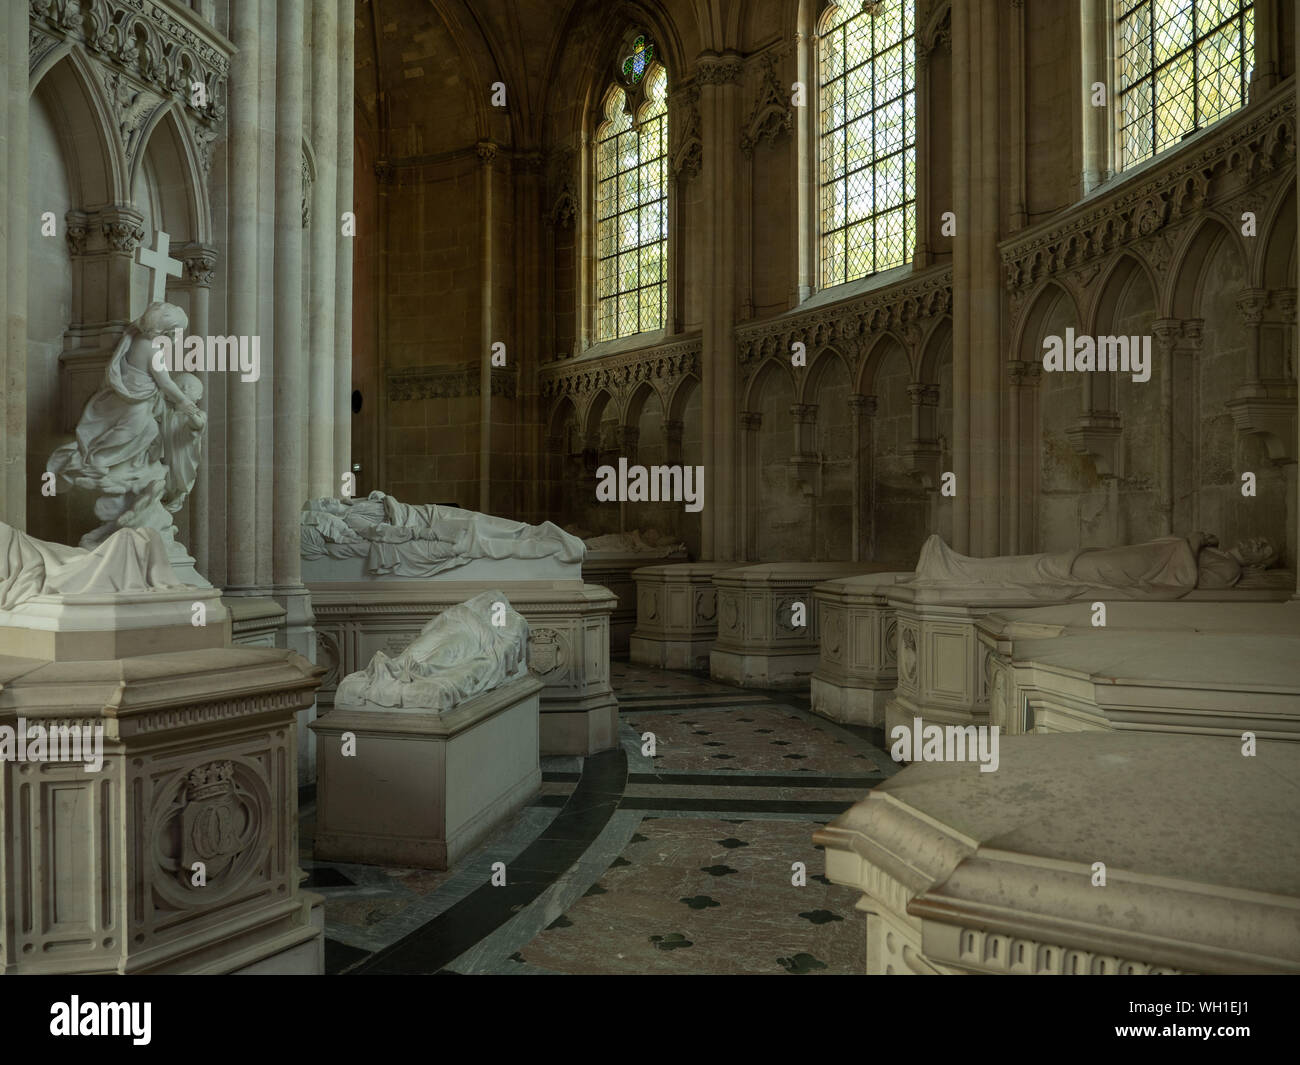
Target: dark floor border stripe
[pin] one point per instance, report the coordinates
(741, 780)
(744, 806)
(560, 777)
(729, 704)
(439, 942)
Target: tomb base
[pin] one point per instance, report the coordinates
(422, 788)
(960, 874)
(676, 615)
(568, 644)
(857, 666)
(615, 572)
(1210, 668)
(179, 853)
(760, 641)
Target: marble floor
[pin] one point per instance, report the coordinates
(696, 860)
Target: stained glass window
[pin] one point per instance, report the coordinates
(1182, 65)
(632, 212)
(868, 139)
(634, 65)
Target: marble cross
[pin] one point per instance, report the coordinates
(160, 265)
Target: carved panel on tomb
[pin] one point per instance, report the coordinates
(216, 813)
(547, 651)
(706, 605)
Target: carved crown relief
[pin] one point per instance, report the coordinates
(772, 114)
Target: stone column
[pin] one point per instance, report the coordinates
(323, 476)
(289, 355)
(242, 277)
(804, 168)
(674, 431)
(1251, 304)
(1166, 332)
(13, 268)
(751, 422)
(1015, 492)
(719, 77)
(486, 152)
(123, 229)
(343, 201)
(963, 117)
(199, 263)
(292, 366)
(862, 411)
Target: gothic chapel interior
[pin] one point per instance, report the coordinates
(649, 487)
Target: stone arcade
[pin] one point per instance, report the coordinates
(797, 371)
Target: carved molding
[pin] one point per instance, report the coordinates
(850, 323)
(619, 374)
(1253, 150)
(772, 114)
(564, 207)
(448, 382)
(687, 158)
(148, 57)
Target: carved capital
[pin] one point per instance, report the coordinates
(804, 413)
(718, 69)
(862, 406)
(487, 151)
(1251, 303)
(751, 420)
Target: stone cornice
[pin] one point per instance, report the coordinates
(850, 323)
(1248, 150)
(447, 382)
(620, 372)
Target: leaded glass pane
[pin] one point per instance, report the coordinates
(1182, 64)
(632, 210)
(868, 140)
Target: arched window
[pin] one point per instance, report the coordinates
(632, 199)
(868, 139)
(1182, 65)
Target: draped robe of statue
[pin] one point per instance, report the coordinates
(457, 655)
(423, 539)
(1165, 568)
(130, 560)
(139, 439)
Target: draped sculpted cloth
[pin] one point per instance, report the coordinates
(1165, 568)
(131, 560)
(423, 539)
(457, 655)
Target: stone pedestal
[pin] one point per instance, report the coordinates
(960, 874)
(676, 615)
(947, 672)
(99, 872)
(857, 665)
(423, 788)
(760, 644)
(1205, 666)
(615, 572)
(568, 644)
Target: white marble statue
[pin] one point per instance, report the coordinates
(423, 539)
(466, 650)
(129, 560)
(1165, 568)
(636, 542)
(139, 440)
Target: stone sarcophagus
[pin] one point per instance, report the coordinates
(676, 614)
(857, 667)
(768, 625)
(178, 853)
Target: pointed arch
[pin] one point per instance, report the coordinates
(882, 347)
(168, 146)
(96, 161)
(1116, 284)
(818, 368)
(1188, 269)
(758, 383)
(935, 348)
(1276, 266)
(1027, 341)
